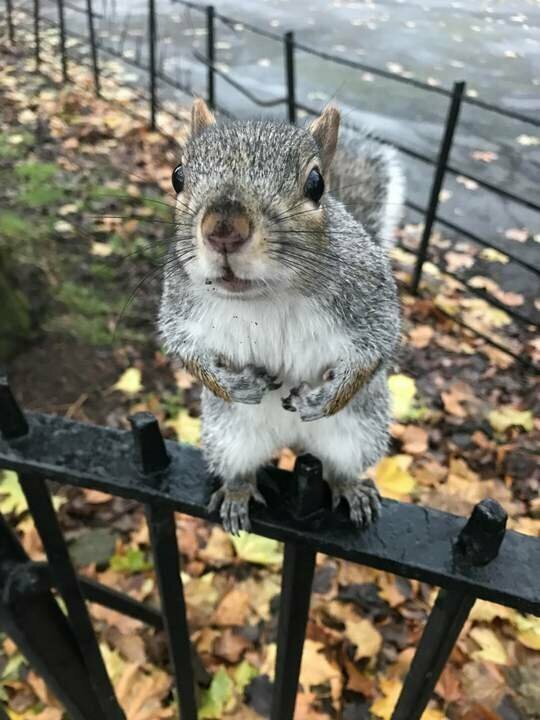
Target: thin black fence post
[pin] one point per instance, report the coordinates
(93, 45)
(12, 421)
(152, 61)
(438, 179)
(37, 37)
(62, 27)
(210, 56)
(296, 581)
(153, 460)
(32, 618)
(477, 545)
(290, 76)
(65, 579)
(11, 28)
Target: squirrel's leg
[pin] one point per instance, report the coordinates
(347, 444)
(236, 441)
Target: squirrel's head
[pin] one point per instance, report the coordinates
(251, 202)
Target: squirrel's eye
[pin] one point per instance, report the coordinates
(314, 187)
(178, 178)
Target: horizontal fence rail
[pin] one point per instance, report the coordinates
(467, 558)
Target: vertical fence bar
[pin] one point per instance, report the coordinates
(12, 421)
(296, 581)
(478, 544)
(37, 37)
(152, 60)
(210, 56)
(93, 45)
(290, 76)
(30, 615)
(298, 569)
(153, 460)
(62, 26)
(11, 28)
(438, 179)
(41, 507)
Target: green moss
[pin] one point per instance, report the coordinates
(35, 172)
(14, 226)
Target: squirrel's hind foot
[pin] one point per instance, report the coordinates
(233, 504)
(362, 497)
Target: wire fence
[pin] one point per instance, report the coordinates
(440, 162)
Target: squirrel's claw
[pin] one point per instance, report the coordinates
(310, 403)
(248, 385)
(362, 497)
(233, 505)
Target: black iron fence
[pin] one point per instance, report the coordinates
(467, 559)
(441, 163)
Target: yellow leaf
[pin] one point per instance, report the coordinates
(12, 499)
(402, 391)
(383, 707)
(528, 627)
(257, 549)
(392, 476)
(492, 255)
(129, 382)
(484, 611)
(101, 249)
(187, 428)
(500, 420)
(491, 648)
(368, 639)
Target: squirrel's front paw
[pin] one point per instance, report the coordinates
(310, 403)
(233, 504)
(362, 497)
(248, 385)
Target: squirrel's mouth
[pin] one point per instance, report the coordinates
(229, 281)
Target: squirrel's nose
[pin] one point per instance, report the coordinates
(225, 233)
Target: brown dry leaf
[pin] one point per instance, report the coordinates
(318, 670)
(233, 609)
(415, 440)
(123, 623)
(219, 550)
(140, 694)
(480, 712)
(183, 379)
(430, 472)
(95, 497)
(358, 681)
(449, 685)
(485, 156)
(365, 636)
(457, 261)
(454, 396)
(304, 709)
(49, 714)
(131, 648)
(421, 335)
(230, 646)
(517, 234)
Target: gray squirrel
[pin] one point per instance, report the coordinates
(280, 299)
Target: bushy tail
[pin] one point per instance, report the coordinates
(367, 177)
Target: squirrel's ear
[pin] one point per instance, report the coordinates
(325, 131)
(201, 117)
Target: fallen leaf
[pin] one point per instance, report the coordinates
(402, 390)
(415, 440)
(392, 476)
(215, 699)
(365, 636)
(517, 234)
(493, 255)
(486, 156)
(467, 182)
(420, 336)
(528, 140)
(100, 249)
(187, 428)
(233, 609)
(256, 549)
(507, 416)
(184, 380)
(12, 499)
(129, 382)
(457, 261)
(491, 648)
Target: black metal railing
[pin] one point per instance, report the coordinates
(467, 558)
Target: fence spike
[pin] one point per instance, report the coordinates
(290, 76)
(311, 492)
(149, 445)
(477, 544)
(12, 421)
(210, 56)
